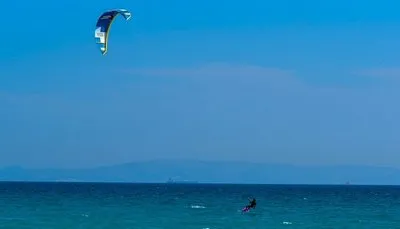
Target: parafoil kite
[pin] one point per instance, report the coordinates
(103, 27)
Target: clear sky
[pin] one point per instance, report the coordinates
(288, 81)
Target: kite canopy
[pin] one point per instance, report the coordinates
(103, 27)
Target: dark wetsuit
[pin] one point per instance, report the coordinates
(252, 204)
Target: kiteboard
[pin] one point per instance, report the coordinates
(246, 209)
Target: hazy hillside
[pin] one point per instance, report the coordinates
(224, 172)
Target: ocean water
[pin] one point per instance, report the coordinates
(196, 206)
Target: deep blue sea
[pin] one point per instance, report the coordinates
(196, 206)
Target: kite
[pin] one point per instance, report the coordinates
(103, 27)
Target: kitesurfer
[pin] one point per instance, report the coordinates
(252, 204)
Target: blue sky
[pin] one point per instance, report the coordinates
(300, 82)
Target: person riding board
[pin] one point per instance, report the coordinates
(252, 204)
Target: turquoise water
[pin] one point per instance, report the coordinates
(185, 206)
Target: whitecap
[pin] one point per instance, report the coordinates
(287, 223)
(197, 206)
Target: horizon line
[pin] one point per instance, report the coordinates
(192, 184)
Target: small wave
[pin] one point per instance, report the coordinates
(11, 218)
(85, 215)
(287, 223)
(197, 206)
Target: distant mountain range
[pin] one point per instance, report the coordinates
(211, 172)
